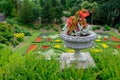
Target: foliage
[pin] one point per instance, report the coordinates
(117, 26)
(119, 29)
(6, 33)
(26, 12)
(47, 13)
(6, 7)
(5, 52)
(96, 27)
(51, 11)
(67, 14)
(92, 7)
(108, 14)
(47, 27)
(17, 29)
(11, 21)
(33, 66)
(106, 28)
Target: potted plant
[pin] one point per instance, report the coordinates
(77, 35)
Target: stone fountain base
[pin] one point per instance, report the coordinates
(67, 59)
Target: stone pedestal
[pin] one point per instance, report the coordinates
(68, 59)
(77, 43)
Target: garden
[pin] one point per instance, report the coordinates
(31, 44)
(47, 43)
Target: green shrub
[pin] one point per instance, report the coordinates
(17, 29)
(11, 21)
(47, 27)
(93, 28)
(55, 29)
(106, 28)
(15, 43)
(26, 32)
(6, 33)
(96, 27)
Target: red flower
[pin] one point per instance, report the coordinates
(44, 47)
(31, 48)
(115, 39)
(117, 46)
(38, 39)
(84, 13)
(49, 39)
(105, 39)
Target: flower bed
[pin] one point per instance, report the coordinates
(49, 39)
(31, 48)
(44, 47)
(115, 39)
(97, 40)
(104, 45)
(38, 39)
(57, 40)
(117, 46)
(105, 39)
(57, 46)
(96, 50)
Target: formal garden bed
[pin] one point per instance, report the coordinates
(104, 43)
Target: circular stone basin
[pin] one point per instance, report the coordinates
(78, 42)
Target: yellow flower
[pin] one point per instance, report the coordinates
(19, 36)
(97, 40)
(57, 46)
(96, 50)
(70, 51)
(58, 40)
(104, 45)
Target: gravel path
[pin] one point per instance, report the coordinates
(115, 31)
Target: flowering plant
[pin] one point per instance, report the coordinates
(77, 25)
(19, 36)
(57, 46)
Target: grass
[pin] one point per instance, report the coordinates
(35, 67)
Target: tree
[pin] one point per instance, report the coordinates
(57, 10)
(26, 11)
(47, 13)
(51, 11)
(92, 7)
(6, 6)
